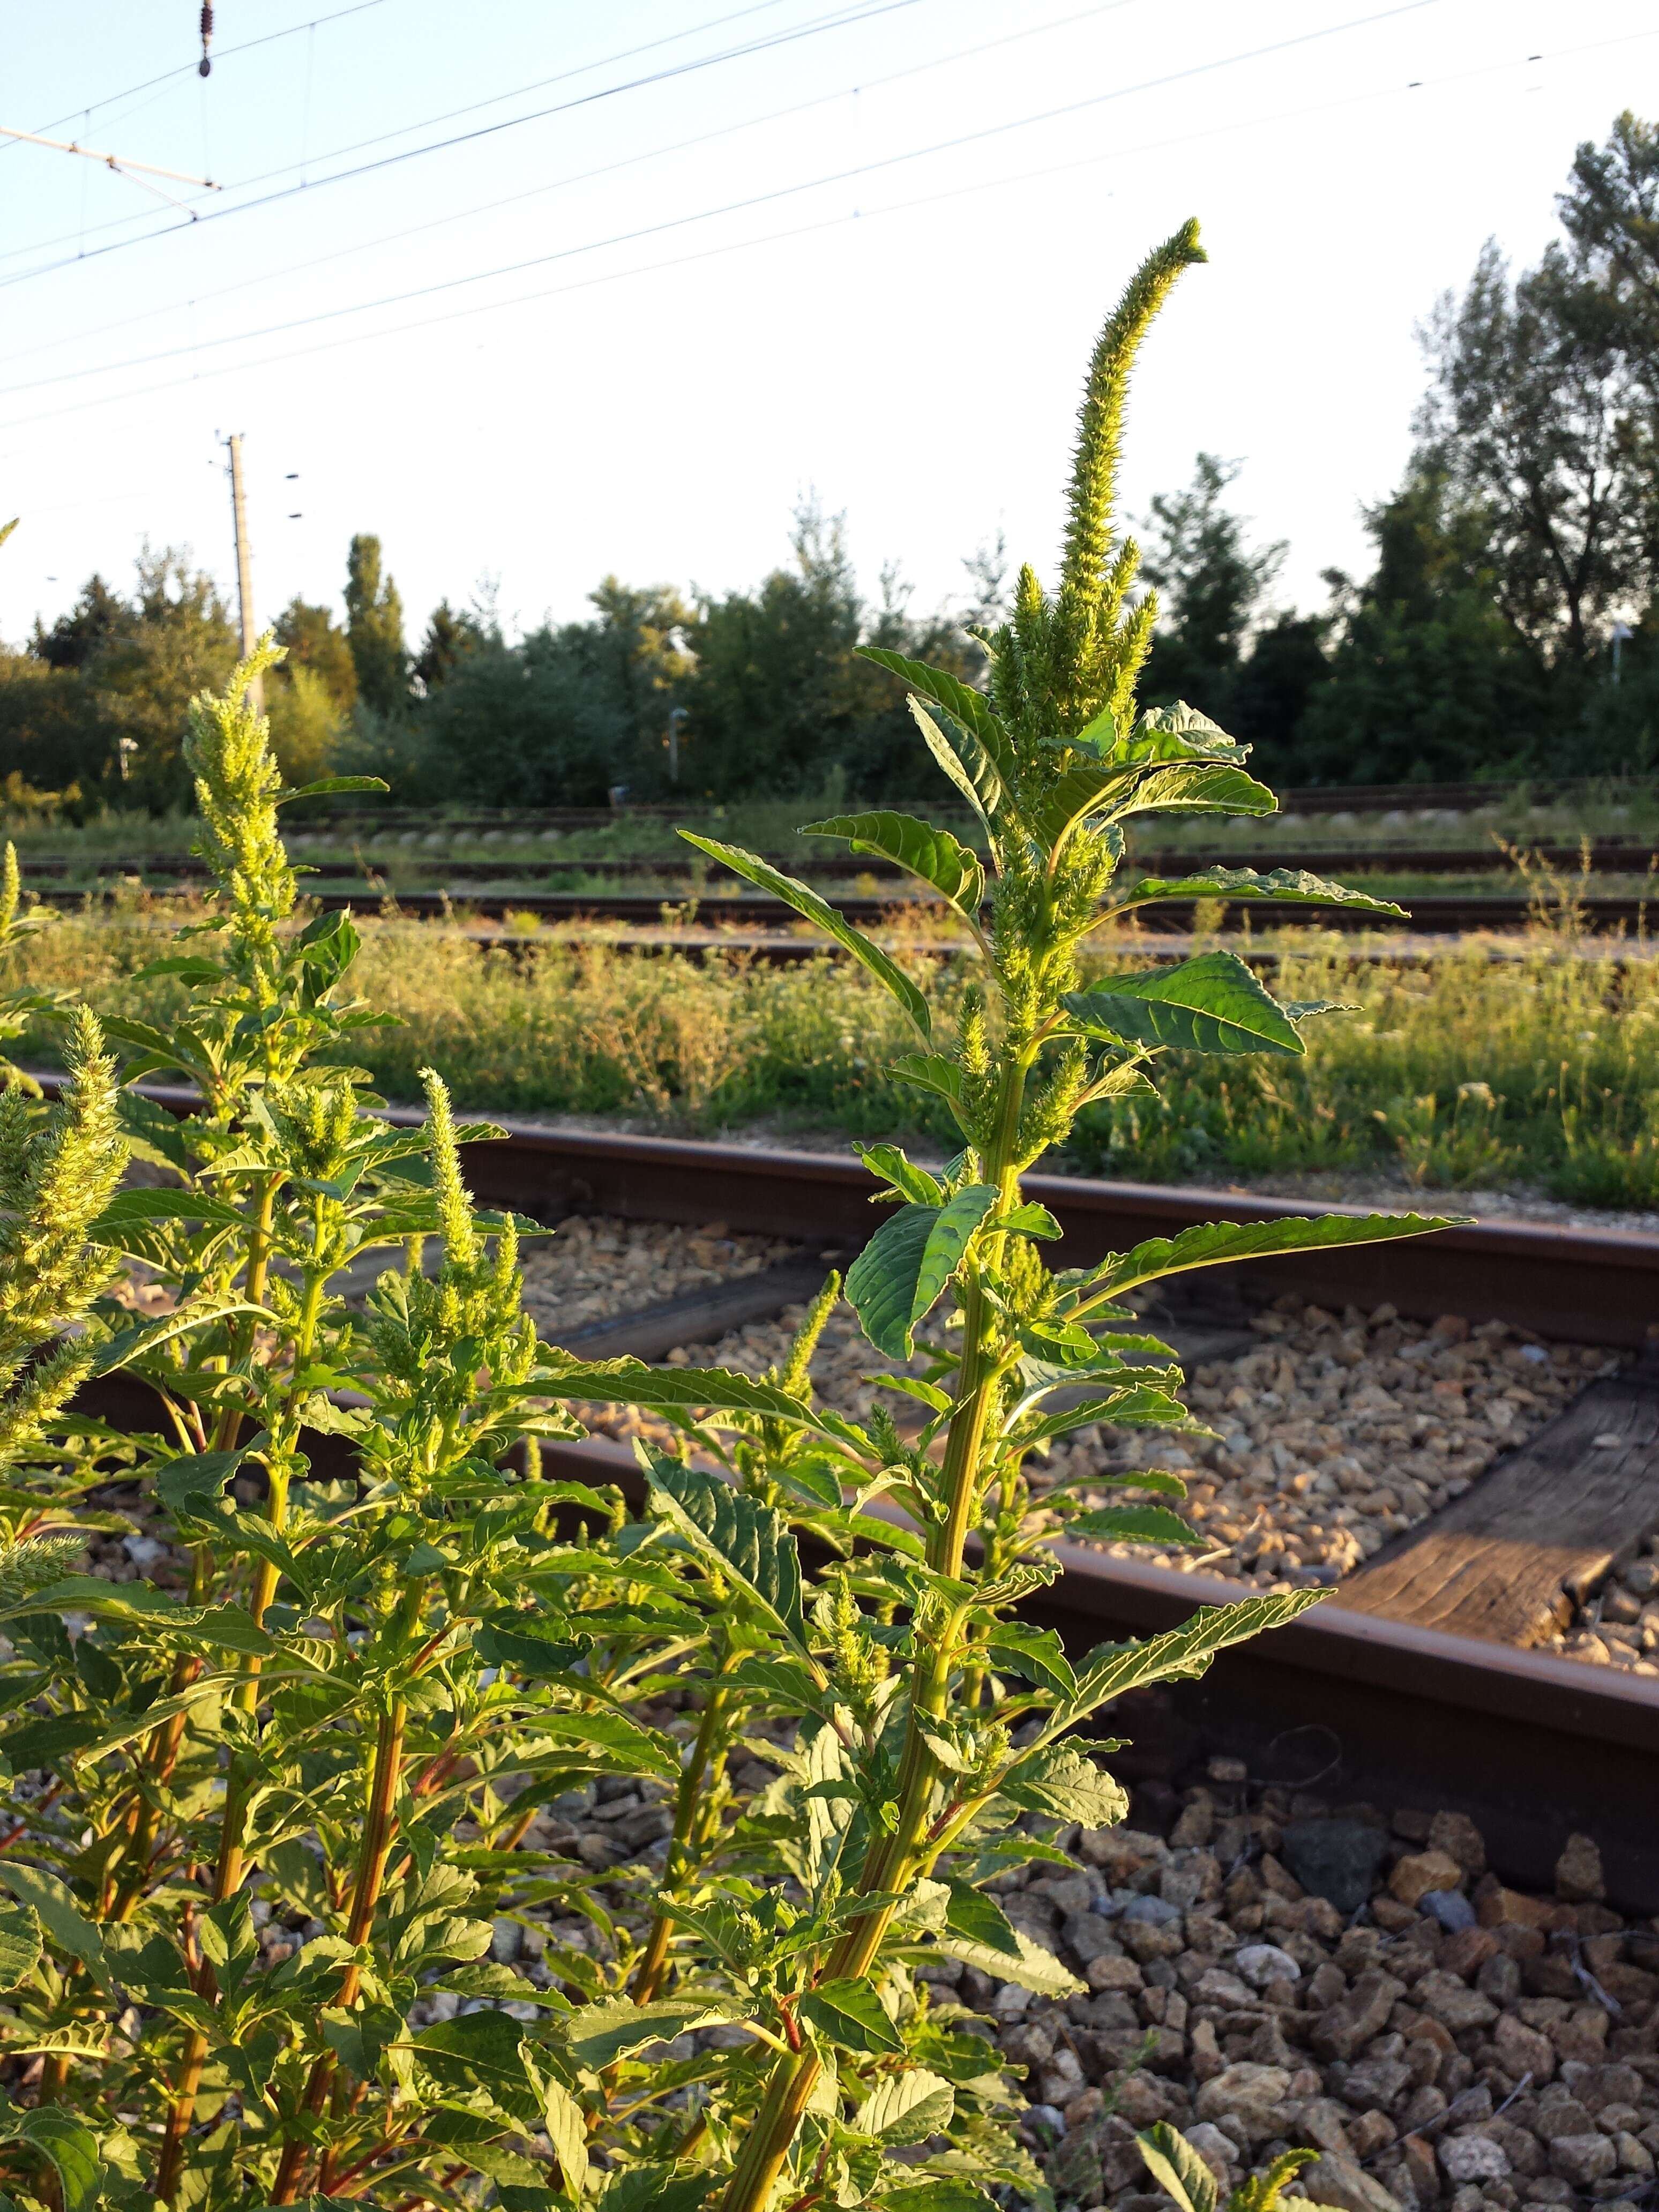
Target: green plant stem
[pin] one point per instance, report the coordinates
(365, 1896)
(889, 1866)
(647, 1975)
(227, 1872)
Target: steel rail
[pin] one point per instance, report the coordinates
(1623, 856)
(1433, 915)
(1586, 1285)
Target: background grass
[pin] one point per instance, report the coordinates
(1541, 1070)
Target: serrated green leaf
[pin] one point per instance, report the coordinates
(750, 1543)
(928, 1071)
(679, 1389)
(1179, 1655)
(1292, 886)
(907, 2108)
(600, 2034)
(182, 1483)
(70, 2146)
(1177, 2167)
(1034, 1968)
(51, 1901)
(1036, 1653)
(326, 784)
(1133, 1524)
(888, 1162)
(149, 1336)
(969, 708)
(20, 1944)
(933, 856)
(979, 783)
(806, 901)
(979, 1918)
(1213, 1243)
(1061, 1781)
(850, 2014)
(485, 2044)
(942, 2192)
(1215, 1003)
(898, 1278)
(567, 2130)
(1200, 787)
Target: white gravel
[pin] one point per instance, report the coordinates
(594, 1266)
(1335, 1433)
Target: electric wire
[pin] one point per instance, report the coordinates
(189, 68)
(840, 19)
(535, 191)
(817, 227)
(786, 191)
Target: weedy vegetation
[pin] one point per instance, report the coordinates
(375, 1684)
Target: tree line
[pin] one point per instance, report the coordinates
(1508, 623)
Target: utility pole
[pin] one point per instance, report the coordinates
(244, 565)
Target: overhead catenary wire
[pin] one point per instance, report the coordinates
(864, 84)
(192, 69)
(839, 19)
(762, 200)
(828, 223)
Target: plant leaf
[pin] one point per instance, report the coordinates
(71, 2148)
(1057, 1779)
(806, 901)
(1036, 1653)
(20, 1944)
(1213, 1243)
(1175, 2165)
(980, 786)
(1034, 1968)
(932, 855)
(969, 708)
(1201, 787)
(329, 783)
(911, 1181)
(750, 1543)
(1180, 1654)
(971, 1913)
(1215, 1003)
(1294, 885)
(907, 2108)
(629, 1382)
(852, 2014)
(567, 2130)
(52, 1902)
(898, 1277)
(600, 2034)
(1133, 1524)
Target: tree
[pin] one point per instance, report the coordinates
(314, 643)
(1210, 590)
(179, 641)
(1536, 417)
(374, 631)
(779, 701)
(1428, 681)
(98, 618)
(306, 723)
(449, 637)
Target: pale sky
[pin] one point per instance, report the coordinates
(858, 245)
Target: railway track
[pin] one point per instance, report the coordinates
(1432, 914)
(1410, 1676)
(536, 873)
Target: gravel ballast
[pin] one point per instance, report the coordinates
(1336, 1432)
